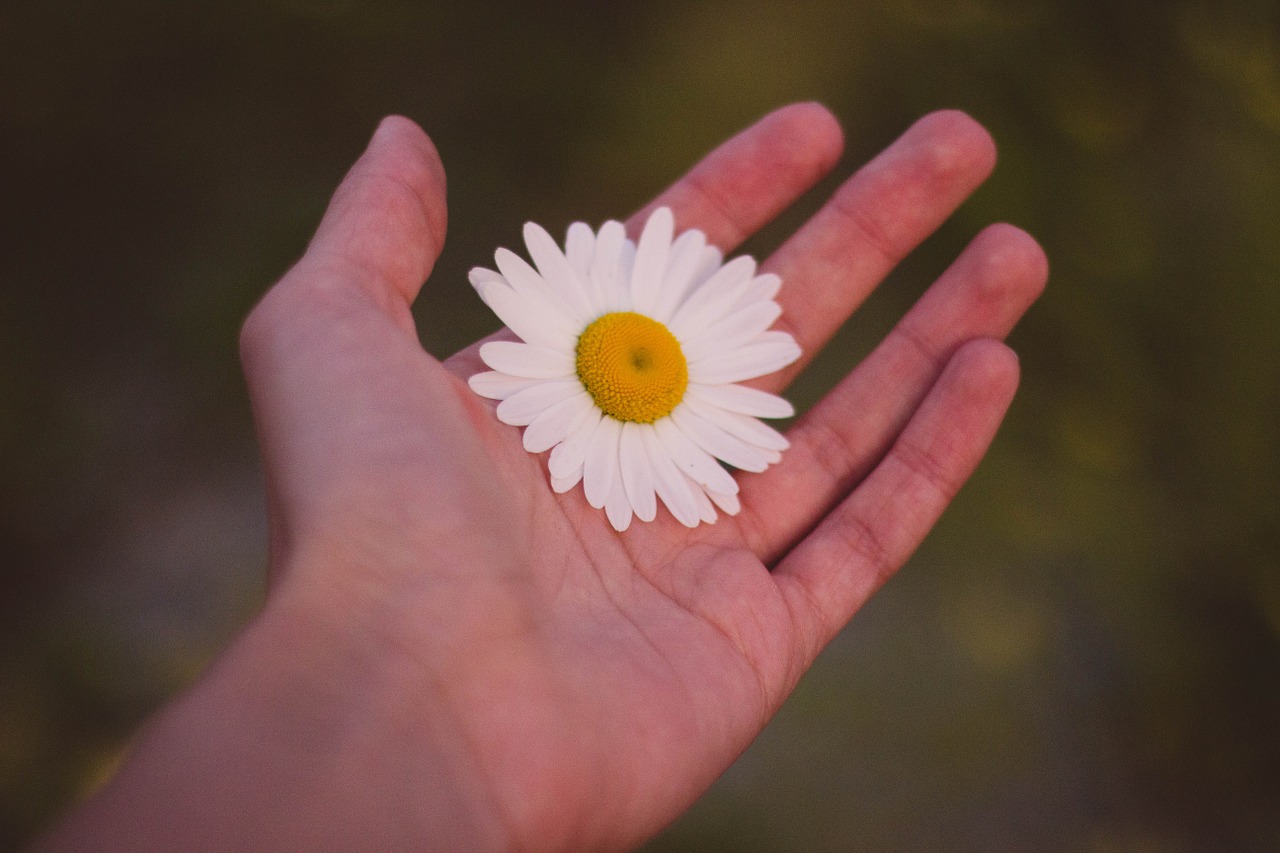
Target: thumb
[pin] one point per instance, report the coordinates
(386, 221)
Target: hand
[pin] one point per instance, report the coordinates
(454, 656)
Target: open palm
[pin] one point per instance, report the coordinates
(580, 686)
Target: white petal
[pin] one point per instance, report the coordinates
(730, 279)
(618, 507)
(626, 262)
(480, 276)
(600, 468)
(579, 248)
(482, 289)
(711, 260)
(556, 270)
(523, 406)
(682, 264)
(531, 360)
(560, 485)
(706, 510)
(571, 454)
(529, 283)
(732, 330)
(746, 428)
(761, 357)
(499, 386)
(535, 321)
(745, 323)
(637, 477)
(651, 260)
(691, 459)
(743, 400)
(729, 503)
(556, 423)
(606, 268)
(714, 298)
(763, 287)
(709, 263)
(719, 443)
(520, 275)
(672, 486)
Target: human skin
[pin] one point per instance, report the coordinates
(453, 657)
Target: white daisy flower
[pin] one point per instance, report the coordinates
(628, 365)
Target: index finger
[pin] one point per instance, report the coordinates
(744, 183)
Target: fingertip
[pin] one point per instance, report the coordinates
(393, 126)
(817, 126)
(958, 143)
(986, 368)
(400, 134)
(1011, 259)
(746, 181)
(1024, 253)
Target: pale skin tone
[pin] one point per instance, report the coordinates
(452, 656)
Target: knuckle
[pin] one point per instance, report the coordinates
(832, 447)
(868, 228)
(862, 544)
(717, 206)
(926, 467)
(957, 144)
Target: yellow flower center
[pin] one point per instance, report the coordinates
(632, 367)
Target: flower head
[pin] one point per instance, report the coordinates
(629, 362)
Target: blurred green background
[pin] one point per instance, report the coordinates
(1086, 653)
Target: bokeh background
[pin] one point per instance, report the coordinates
(1086, 653)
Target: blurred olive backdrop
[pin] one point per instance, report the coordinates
(1086, 653)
